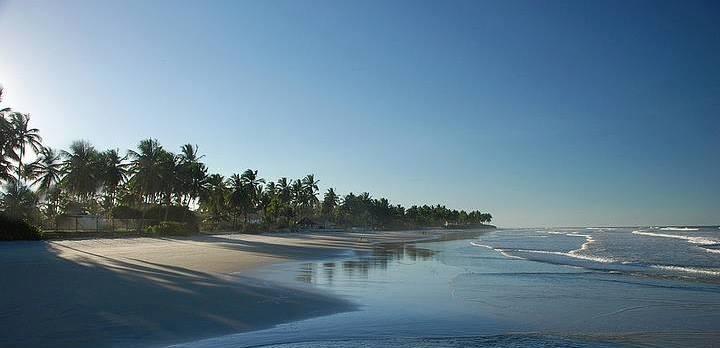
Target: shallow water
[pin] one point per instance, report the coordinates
(516, 288)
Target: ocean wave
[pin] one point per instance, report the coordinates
(573, 254)
(509, 340)
(481, 245)
(714, 251)
(576, 254)
(678, 229)
(571, 234)
(693, 270)
(691, 239)
(503, 252)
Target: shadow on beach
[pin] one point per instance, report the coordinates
(96, 301)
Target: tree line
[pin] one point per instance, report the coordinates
(178, 186)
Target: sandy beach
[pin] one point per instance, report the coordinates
(158, 291)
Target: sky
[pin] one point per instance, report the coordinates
(544, 113)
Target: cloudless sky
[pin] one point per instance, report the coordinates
(543, 113)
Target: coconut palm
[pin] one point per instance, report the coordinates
(270, 189)
(112, 172)
(284, 190)
(311, 185)
(253, 184)
(148, 165)
(330, 202)
(18, 200)
(46, 171)
(238, 198)
(213, 199)
(192, 174)
(311, 191)
(7, 152)
(299, 196)
(23, 137)
(81, 170)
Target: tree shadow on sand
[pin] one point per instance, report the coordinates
(96, 301)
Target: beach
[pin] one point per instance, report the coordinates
(575, 287)
(158, 291)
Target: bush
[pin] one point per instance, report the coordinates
(171, 213)
(125, 212)
(171, 228)
(17, 229)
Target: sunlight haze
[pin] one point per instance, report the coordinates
(544, 113)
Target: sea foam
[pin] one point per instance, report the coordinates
(572, 254)
(678, 229)
(694, 270)
(691, 239)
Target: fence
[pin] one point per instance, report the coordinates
(91, 223)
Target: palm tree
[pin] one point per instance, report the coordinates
(311, 188)
(330, 202)
(284, 190)
(18, 200)
(81, 170)
(213, 199)
(23, 136)
(147, 168)
(238, 198)
(113, 172)
(46, 170)
(189, 153)
(3, 110)
(191, 174)
(252, 184)
(7, 152)
(299, 196)
(271, 189)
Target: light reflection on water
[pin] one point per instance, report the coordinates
(378, 258)
(433, 294)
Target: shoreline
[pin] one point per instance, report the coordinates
(161, 291)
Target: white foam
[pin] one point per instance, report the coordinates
(678, 229)
(572, 254)
(481, 245)
(714, 251)
(690, 239)
(503, 252)
(694, 270)
(577, 253)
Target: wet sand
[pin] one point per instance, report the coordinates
(157, 291)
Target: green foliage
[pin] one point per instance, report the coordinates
(18, 201)
(171, 228)
(18, 229)
(153, 183)
(170, 213)
(125, 212)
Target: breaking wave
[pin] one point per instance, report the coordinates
(579, 253)
(691, 239)
(695, 270)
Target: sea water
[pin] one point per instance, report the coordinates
(569, 287)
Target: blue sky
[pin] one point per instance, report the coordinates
(544, 113)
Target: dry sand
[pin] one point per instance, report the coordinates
(156, 291)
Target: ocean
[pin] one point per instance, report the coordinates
(562, 287)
